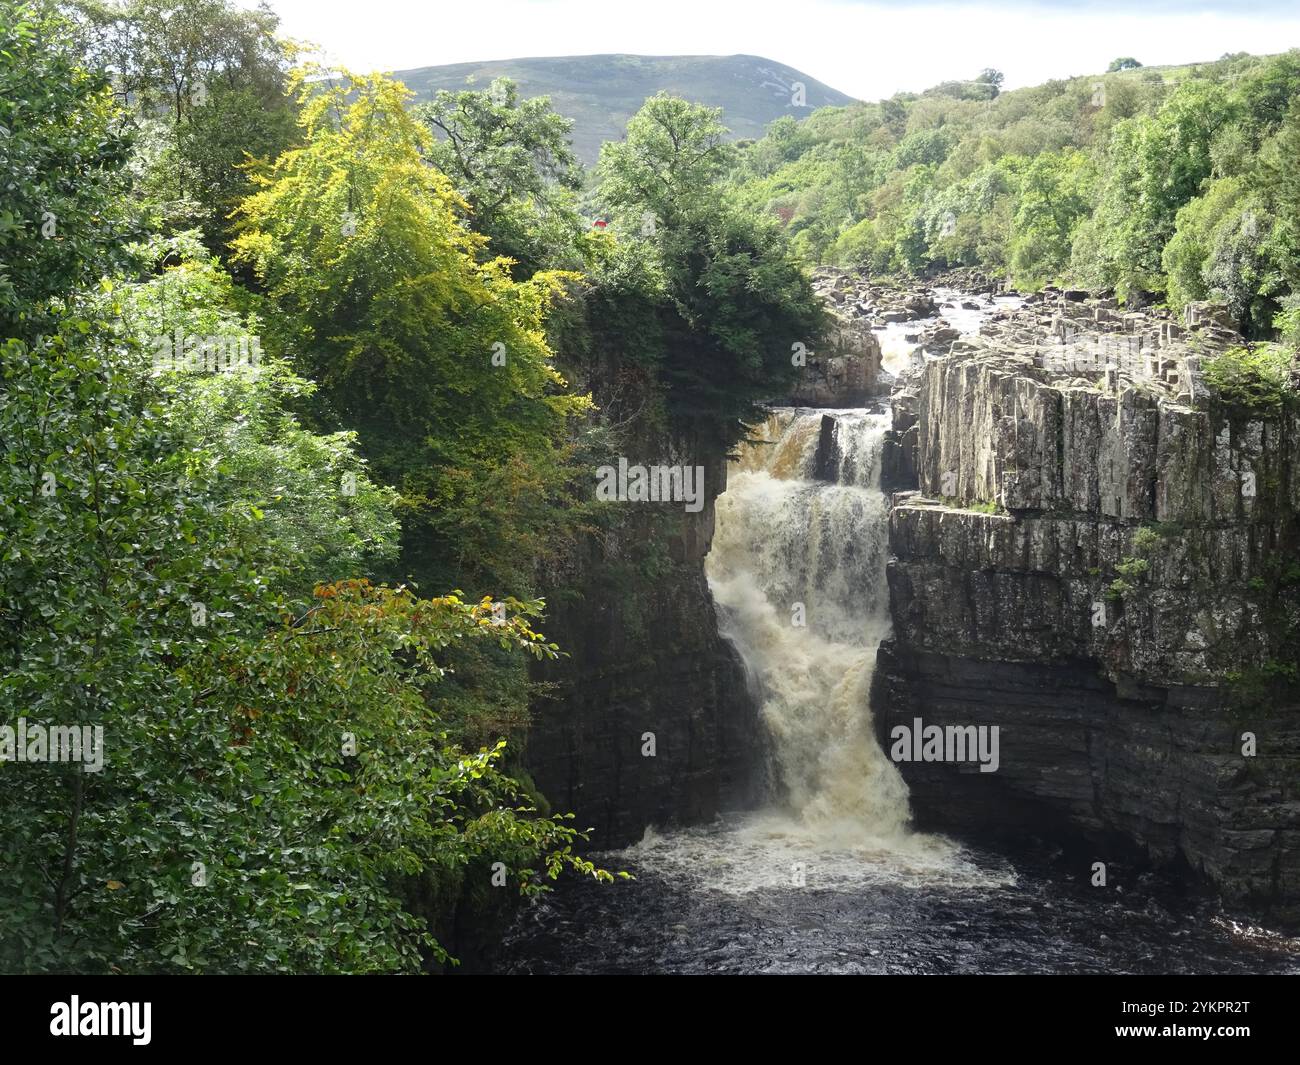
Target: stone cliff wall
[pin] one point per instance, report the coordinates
(989, 432)
(1088, 564)
(638, 623)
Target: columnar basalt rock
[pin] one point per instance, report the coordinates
(1088, 561)
(996, 428)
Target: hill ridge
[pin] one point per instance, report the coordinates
(601, 91)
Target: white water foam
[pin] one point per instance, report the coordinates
(898, 353)
(783, 539)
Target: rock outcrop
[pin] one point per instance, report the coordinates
(1099, 560)
(844, 371)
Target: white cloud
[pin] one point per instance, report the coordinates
(868, 50)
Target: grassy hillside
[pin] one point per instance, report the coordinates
(601, 92)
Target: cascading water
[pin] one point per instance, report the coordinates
(798, 571)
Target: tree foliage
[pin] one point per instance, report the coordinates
(436, 357)
(63, 211)
(184, 574)
(718, 287)
(511, 160)
(1178, 183)
(203, 82)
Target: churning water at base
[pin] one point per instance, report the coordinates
(701, 903)
(797, 570)
(830, 878)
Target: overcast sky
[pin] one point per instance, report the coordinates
(866, 49)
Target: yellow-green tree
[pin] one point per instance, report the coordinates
(438, 360)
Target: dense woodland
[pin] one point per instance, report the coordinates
(302, 601)
(1165, 185)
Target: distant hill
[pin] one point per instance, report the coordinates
(601, 92)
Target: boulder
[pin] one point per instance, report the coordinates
(1202, 313)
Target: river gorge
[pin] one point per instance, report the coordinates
(894, 557)
(654, 513)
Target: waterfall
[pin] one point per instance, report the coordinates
(797, 568)
(802, 536)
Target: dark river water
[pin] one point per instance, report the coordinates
(722, 900)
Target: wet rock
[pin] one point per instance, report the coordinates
(648, 660)
(844, 371)
(922, 305)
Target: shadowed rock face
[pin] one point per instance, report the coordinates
(643, 658)
(1087, 559)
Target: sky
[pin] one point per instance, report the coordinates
(869, 49)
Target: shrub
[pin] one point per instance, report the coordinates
(1253, 381)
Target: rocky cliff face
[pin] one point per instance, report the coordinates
(1096, 559)
(843, 372)
(646, 665)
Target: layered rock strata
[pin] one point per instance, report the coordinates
(1097, 558)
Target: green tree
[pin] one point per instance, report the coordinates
(57, 234)
(992, 78)
(270, 772)
(319, 515)
(204, 81)
(264, 779)
(437, 359)
(1277, 181)
(1053, 197)
(510, 159)
(1152, 166)
(729, 300)
(668, 167)
(1267, 93)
